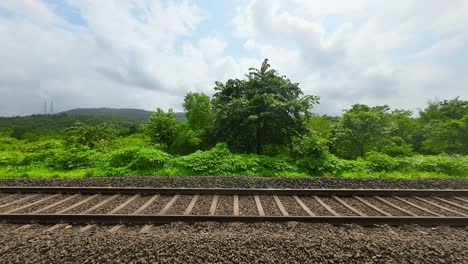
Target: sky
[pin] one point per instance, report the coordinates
(148, 53)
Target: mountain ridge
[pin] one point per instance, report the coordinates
(133, 114)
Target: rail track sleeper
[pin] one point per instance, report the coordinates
(440, 206)
(214, 204)
(115, 228)
(303, 205)
(146, 229)
(349, 207)
(394, 206)
(417, 206)
(101, 204)
(124, 204)
(54, 227)
(23, 227)
(326, 206)
(147, 204)
(8, 197)
(375, 208)
(259, 206)
(460, 199)
(77, 204)
(459, 206)
(169, 205)
(45, 199)
(280, 205)
(55, 204)
(190, 207)
(29, 197)
(88, 228)
(236, 205)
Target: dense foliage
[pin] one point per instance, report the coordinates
(261, 125)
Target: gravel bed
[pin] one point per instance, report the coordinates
(291, 206)
(237, 243)
(87, 205)
(225, 205)
(247, 205)
(450, 206)
(180, 205)
(202, 207)
(42, 205)
(462, 203)
(109, 206)
(63, 205)
(134, 205)
(314, 206)
(360, 206)
(384, 207)
(435, 209)
(248, 182)
(16, 205)
(3, 195)
(340, 209)
(408, 207)
(158, 205)
(269, 205)
(8, 198)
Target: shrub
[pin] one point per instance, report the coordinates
(449, 164)
(381, 162)
(325, 165)
(139, 159)
(72, 158)
(220, 161)
(12, 158)
(359, 165)
(405, 150)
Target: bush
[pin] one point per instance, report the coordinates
(325, 165)
(139, 159)
(359, 165)
(220, 161)
(381, 162)
(312, 146)
(455, 165)
(12, 158)
(405, 150)
(72, 158)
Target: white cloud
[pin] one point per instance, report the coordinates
(353, 62)
(141, 53)
(126, 56)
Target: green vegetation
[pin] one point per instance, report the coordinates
(258, 126)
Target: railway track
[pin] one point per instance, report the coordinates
(146, 206)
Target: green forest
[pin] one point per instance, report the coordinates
(261, 125)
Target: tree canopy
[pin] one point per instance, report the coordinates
(266, 108)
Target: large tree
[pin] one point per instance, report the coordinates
(197, 108)
(266, 108)
(363, 128)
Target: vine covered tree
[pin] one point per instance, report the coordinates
(264, 109)
(161, 127)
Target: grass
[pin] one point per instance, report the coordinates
(41, 172)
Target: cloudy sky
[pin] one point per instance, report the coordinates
(149, 53)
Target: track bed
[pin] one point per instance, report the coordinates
(115, 206)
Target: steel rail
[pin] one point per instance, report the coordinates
(235, 191)
(162, 219)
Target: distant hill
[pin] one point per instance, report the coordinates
(137, 115)
(43, 124)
